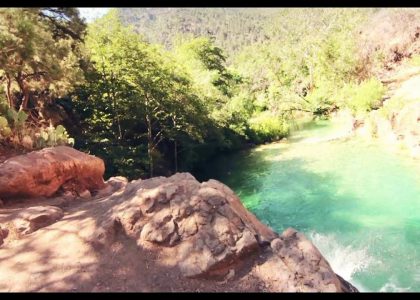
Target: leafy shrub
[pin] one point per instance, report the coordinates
(363, 97)
(16, 131)
(267, 127)
(321, 99)
(52, 136)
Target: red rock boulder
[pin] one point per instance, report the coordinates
(42, 173)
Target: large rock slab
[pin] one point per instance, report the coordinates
(205, 231)
(42, 173)
(204, 224)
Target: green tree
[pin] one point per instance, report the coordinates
(139, 97)
(38, 53)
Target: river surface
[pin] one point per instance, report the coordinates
(356, 201)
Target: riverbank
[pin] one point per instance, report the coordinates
(63, 229)
(356, 200)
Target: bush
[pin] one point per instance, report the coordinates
(17, 132)
(321, 99)
(363, 97)
(5, 130)
(51, 136)
(415, 60)
(267, 127)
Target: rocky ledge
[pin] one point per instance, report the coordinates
(200, 230)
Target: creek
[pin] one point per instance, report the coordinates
(356, 201)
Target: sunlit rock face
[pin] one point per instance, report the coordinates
(204, 230)
(44, 172)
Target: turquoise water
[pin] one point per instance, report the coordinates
(358, 203)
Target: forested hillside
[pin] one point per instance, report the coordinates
(159, 90)
(231, 28)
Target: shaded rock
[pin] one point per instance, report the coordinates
(3, 234)
(106, 191)
(85, 195)
(311, 271)
(42, 173)
(117, 182)
(346, 286)
(104, 235)
(160, 227)
(31, 219)
(230, 274)
(68, 196)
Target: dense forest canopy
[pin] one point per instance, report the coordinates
(230, 28)
(158, 90)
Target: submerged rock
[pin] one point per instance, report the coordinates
(42, 173)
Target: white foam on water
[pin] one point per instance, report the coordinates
(392, 286)
(344, 260)
(361, 287)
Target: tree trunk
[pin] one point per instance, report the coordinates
(117, 116)
(25, 90)
(176, 155)
(10, 98)
(149, 144)
(25, 100)
(175, 147)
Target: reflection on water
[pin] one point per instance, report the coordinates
(358, 203)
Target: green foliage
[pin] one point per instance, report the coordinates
(38, 53)
(193, 83)
(363, 97)
(52, 136)
(415, 60)
(230, 28)
(267, 127)
(5, 130)
(17, 118)
(139, 102)
(197, 82)
(16, 131)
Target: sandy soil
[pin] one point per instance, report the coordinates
(59, 258)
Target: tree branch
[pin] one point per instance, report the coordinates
(64, 29)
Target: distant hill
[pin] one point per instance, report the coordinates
(232, 28)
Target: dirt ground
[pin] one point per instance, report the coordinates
(59, 258)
